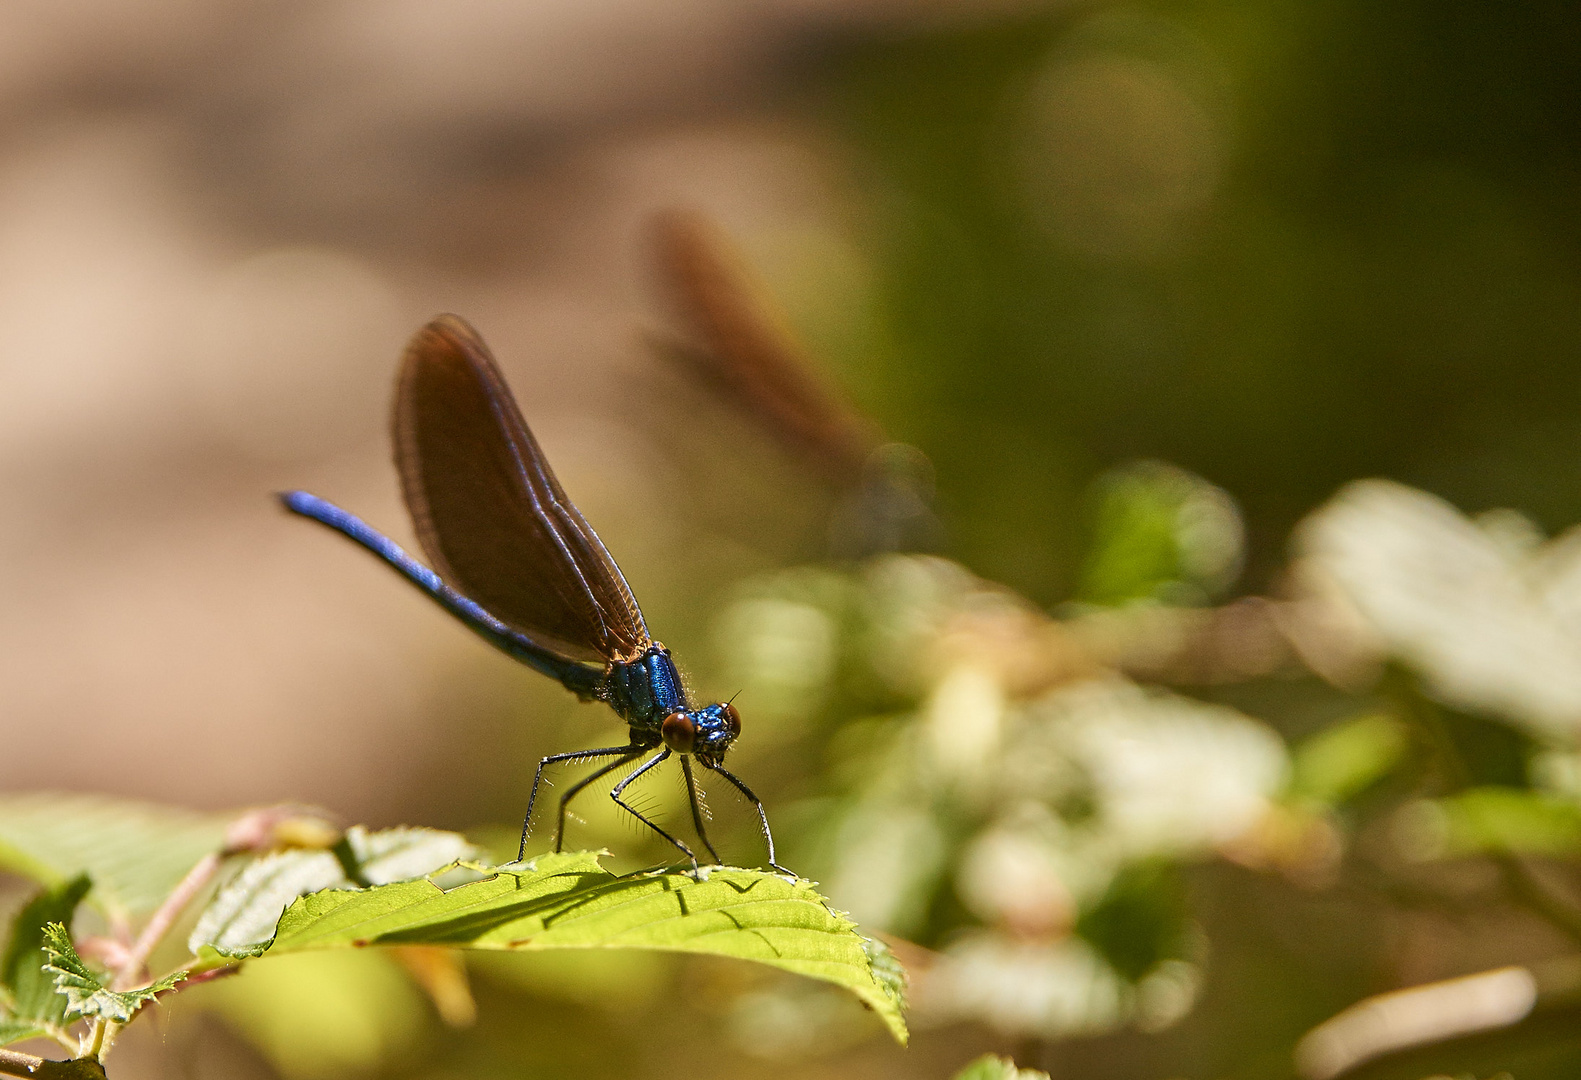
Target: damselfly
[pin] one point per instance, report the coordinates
(519, 565)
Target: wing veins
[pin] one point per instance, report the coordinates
(571, 590)
(536, 500)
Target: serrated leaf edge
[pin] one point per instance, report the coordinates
(885, 995)
(85, 995)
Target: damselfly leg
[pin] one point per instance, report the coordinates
(693, 797)
(620, 788)
(626, 753)
(763, 818)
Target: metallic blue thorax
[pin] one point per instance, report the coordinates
(645, 690)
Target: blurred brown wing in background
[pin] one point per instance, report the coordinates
(738, 344)
(741, 348)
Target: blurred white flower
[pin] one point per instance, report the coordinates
(1166, 994)
(964, 720)
(907, 600)
(1013, 878)
(1490, 618)
(784, 650)
(1061, 988)
(1169, 775)
(889, 862)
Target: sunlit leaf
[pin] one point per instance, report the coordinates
(402, 854)
(993, 1067)
(1346, 758)
(241, 919)
(887, 970)
(1491, 819)
(567, 901)
(135, 852)
(1160, 533)
(85, 993)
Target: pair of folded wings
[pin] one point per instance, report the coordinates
(489, 512)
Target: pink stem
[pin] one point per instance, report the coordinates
(131, 972)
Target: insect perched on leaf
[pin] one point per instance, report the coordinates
(520, 566)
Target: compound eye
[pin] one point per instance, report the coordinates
(679, 732)
(732, 718)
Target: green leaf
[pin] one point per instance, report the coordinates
(241, 919)
(402, 854)
(1502, 819)
(887, 970)
(1343, 760)
(1160, 533)
(84, 993)
(569, 901)
(135, 852)
(13, 1030)
(1142, 919)
(30, 990)
(993, 1067)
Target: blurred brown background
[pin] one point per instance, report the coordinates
(219, 222)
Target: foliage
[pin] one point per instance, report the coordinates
(134, 852)
(993, 1067)
(569, 901)
(1341, 761)
(1023, 787)
(240, 921)
(1038, 798)
(85, 993)
(32, 1005)
(1160, 533)
(406, 888)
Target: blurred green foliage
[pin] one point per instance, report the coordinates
(1343, 760)
(1281, 245)
(993, 1067)
(1141, 920)
(1159, 533)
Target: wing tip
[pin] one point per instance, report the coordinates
(450, 329)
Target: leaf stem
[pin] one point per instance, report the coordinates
(253, 831)
(132, 971)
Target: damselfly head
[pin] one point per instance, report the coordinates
(706, 732)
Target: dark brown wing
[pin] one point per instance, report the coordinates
(489, 511)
